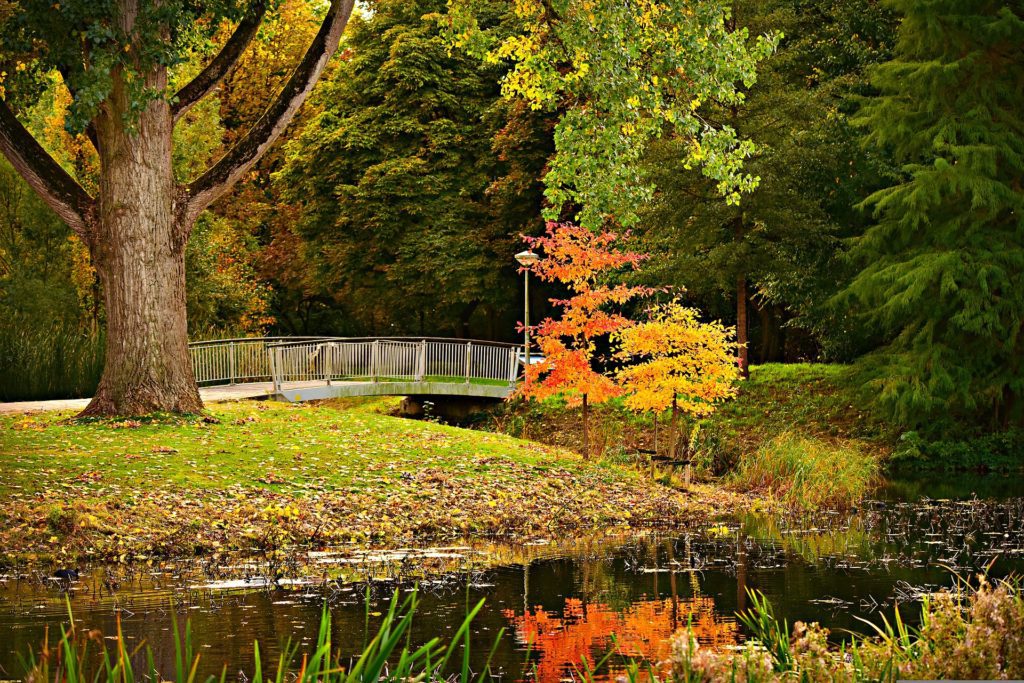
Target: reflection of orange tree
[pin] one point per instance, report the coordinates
(641, 632)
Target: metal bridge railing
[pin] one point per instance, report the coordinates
(234, 361)
(392, 360)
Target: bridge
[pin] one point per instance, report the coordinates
(313, 368)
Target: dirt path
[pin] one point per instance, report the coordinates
(209, 395)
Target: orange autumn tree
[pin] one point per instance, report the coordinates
(678, 362)
(583, 261)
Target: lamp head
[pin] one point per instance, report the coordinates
(527, 258)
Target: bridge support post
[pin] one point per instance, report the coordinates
(421, 362)
(275, 376)
(469, 360)
(231, 362)
(513, 366)
(328, 362)
(374, 359)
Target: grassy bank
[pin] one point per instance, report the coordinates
(258, 476)
(813, 401)
(787, 435)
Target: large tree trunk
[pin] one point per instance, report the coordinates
(773, 334)
(139, 254)
(742, 325)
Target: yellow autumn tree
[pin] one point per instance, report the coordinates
(673, 360)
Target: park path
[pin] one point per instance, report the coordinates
(209, 394)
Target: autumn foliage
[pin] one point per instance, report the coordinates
(581, 260)
(675, 360)
(677, 357)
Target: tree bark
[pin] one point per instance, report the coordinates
(586, 428)
(674, 438)
(773, 335)
(139, 255)
(741, 326)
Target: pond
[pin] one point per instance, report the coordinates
(555, 601)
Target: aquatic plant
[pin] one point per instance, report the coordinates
(970, 633)
(807, 473)
(87, 657)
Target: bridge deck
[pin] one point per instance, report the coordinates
(310, 391)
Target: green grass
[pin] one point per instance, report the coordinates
(306, 446)
(808, 473)
(268, 475)
(812, 400)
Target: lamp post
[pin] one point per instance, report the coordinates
(526, 259)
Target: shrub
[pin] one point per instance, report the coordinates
(1003, 451)
(807, 473)
(61, 520)
(969, 634)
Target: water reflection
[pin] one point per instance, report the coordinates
(565, 599)
(584, 632)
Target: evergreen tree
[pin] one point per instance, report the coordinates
(943, 269)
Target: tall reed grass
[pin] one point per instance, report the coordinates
(39, 362)
(808, 473)
(86, 657)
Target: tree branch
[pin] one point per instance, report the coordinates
(239, 159)
(200, 86)
(58, 189)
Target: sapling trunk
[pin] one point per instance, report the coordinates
(674, 429)
(586, 434)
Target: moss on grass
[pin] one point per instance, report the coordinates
(261, 476)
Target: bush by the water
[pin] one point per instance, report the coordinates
(39, 363)
(807, 472)
(966, 635)
(1002, 451)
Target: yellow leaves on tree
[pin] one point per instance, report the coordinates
(677, 361)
